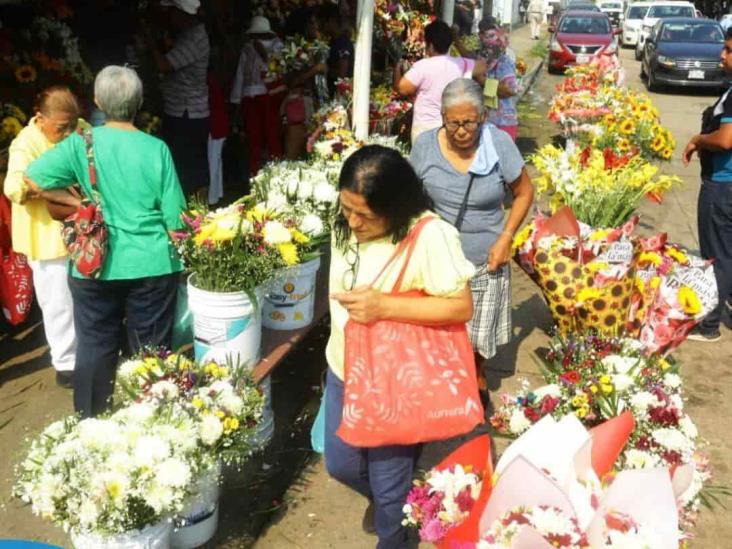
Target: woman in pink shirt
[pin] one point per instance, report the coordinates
(429, 76)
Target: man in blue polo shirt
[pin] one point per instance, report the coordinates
(714, 210)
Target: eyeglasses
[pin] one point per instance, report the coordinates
(468, 125)
(353, 260)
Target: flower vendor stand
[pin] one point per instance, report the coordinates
(290, 302)
(199, 520)
(155, 536)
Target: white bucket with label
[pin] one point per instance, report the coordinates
(197, 523)
(225, 325)
(155, 536)
(290, 302)
(265, 428)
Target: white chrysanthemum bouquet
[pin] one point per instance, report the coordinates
(112, 475)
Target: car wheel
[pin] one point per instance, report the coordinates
(637, 54)
(643, 71)
(651, 83)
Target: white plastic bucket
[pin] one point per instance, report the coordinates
(265, 428)
(225, 325)
(196, 524)
(290, 302)
(155, 536)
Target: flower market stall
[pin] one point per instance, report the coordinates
(605, 453)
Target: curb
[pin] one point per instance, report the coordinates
(530, 78)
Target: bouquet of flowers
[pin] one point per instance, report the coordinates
(674, 291)
(586, 275)
(441, 501)
(297, 54)
(634, 123)
(332, 137)
(228, 250)
(597, 379)
(108, 476)
(385, 103)
(598, 196)
(541, 522)
(221, 401)
(305, 190)
(587, 375)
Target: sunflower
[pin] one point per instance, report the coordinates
(11, 126)
(689, 301)
(624, 145)
(25, 74)
(667, 153)
(658, 143)
(627, 126)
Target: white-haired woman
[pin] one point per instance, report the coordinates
(468, 166)
(141, 199)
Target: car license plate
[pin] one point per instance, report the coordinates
(584, 59)
(696, 75)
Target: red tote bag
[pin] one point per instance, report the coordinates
(16, 277)
(407, 383)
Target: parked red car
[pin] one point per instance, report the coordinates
(578, 37)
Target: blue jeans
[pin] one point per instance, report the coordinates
(100, 307)
(714, 218)
(383, 474)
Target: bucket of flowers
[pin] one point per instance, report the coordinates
(226, 408)
(229, 260)
(115, 481)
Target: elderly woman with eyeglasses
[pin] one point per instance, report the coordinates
(468, 166)
(376, 214)
(141, 199)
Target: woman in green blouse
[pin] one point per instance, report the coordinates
(141, 200)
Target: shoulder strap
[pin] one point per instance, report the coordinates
(464, 206)
(86, 135)
(88, 141)
(408, 244)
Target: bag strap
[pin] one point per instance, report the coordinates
(464, 206)
(86, 135)
(407, 244)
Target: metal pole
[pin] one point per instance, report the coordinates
(362, 69)
(448, 11)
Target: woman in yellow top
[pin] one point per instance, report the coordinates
(36, 234)
(381, 198)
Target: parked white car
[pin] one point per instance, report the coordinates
(633, 21)
(726, 21)
(661, 10)
(613, 9)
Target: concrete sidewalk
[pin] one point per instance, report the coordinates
(320, 513)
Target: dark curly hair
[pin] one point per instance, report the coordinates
(390, 186)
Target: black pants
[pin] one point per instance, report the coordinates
(100, 306)
(187, 139)
(714, 217)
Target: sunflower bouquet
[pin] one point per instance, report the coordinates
(227, 249)
(598, 196)
(634, 126)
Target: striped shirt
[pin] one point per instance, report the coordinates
(185, 88)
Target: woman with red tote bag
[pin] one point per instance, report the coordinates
(397, 271)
